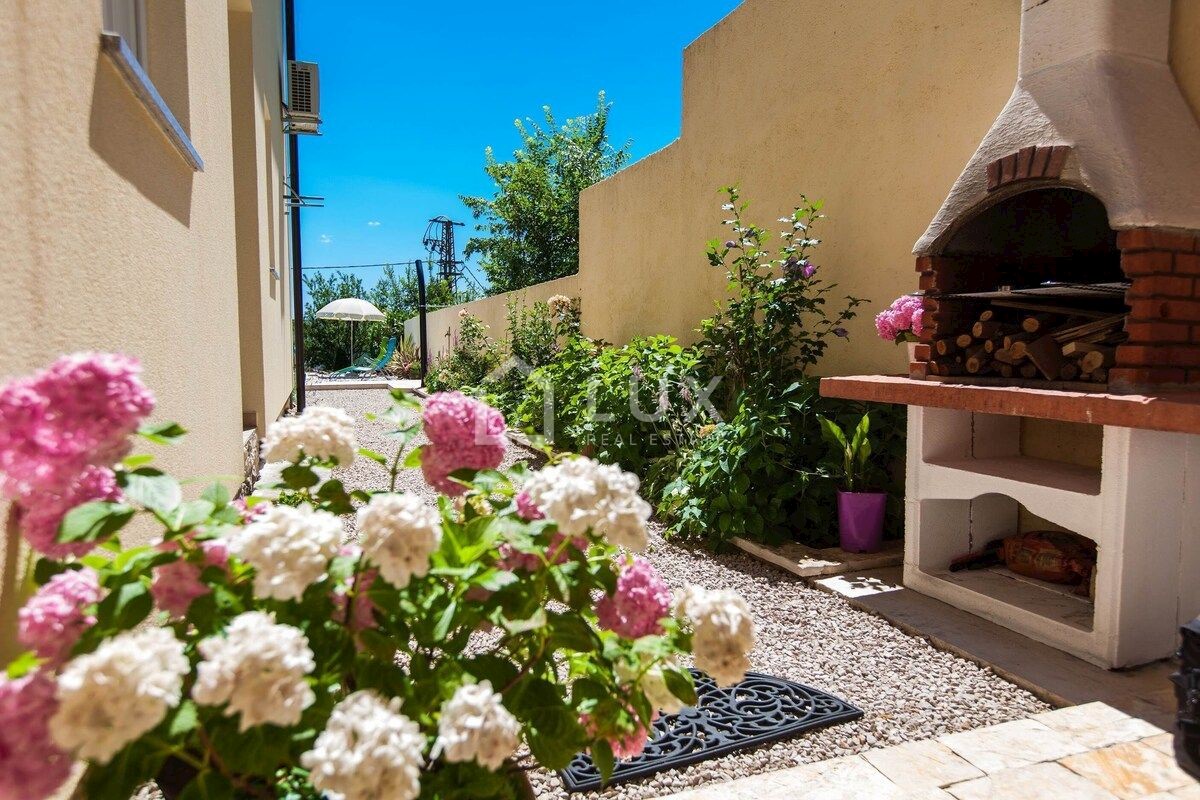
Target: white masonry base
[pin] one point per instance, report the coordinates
(966, 477)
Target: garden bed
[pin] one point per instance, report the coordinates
(908, 689)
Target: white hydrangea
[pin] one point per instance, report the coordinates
(289, 548)
(270, 477)
(258, 667)
(723, 632)
(109, 697)
(398, 533)
(368, 750)
(581, 493)
(475, 726)
(653, 684)
(320, 431)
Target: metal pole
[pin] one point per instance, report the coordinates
(297, 260)
(421, 322)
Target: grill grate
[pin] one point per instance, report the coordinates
(758, 710)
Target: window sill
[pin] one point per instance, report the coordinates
(127, 64)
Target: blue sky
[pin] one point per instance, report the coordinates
(412, 93)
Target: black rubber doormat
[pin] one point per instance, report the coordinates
(758, 710)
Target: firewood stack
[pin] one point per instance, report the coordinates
(1031, 342)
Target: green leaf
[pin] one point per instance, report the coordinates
(127, 770)
(22, 665)
(162, 432)
(152, 488)
(92, 521)
(300, 477)
(183, 720)
(125, 606)
(208, 786)
(445, 621)
(216, 494)
(538, 620)
(572, 632)
(602, 757)
(680, 684)
(185, 515)
(413, 459)
(378, 458)
(137, 460)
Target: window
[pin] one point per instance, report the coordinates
(127, 19)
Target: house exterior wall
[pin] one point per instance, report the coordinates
(260, 166)
(113, 242)
(442, 324)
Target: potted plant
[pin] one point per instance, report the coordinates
(902, 322)
(860, 513)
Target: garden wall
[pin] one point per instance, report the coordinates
(872, 107)
(442, 324)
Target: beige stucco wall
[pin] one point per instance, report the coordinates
(442, 324)
(111, 240)
(873, 107)
(260, 159)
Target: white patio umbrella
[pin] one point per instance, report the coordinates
(352, 310)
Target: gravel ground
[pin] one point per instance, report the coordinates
(908, 689)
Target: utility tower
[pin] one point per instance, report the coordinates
(439, 242)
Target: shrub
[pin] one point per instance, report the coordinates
(250, 656)
(759, 473)
(405, 361)
(623, 405)
(471, 359)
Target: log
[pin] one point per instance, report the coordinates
(977, 360)
(1099, 375)
(1037, 323)
(990, 346)
(989, 329)
(1079, 348)
(1046, 355)
(964, 340)
(945, 347)
(1097, 359)
(1028, 370)
(1004, 356)
(1013, 338)
(1006, 370)
(1068, 371)
(986, 314)
(1019, 350)
(1088, 328)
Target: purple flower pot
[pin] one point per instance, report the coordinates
(860, 520)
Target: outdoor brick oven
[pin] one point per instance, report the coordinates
(1061, 282)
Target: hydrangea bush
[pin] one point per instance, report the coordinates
(250, 652)
(902, 321)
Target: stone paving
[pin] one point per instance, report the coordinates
(1087, 752)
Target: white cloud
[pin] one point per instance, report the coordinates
(326, 238)
(374, 223)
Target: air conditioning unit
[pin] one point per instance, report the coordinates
(304, 97)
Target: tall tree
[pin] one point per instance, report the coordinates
(529, 229)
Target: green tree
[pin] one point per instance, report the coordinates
(327, 342)
(529, 230)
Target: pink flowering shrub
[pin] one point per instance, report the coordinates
(902, 321)
(642, 599)
(52, 620)
(270, 658)
(31, 766)
(79, 411)
(463, 433)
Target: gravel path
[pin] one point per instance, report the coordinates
(908, 689)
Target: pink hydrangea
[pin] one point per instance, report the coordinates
(44, 512)
(176, 585)
(363, 616)
(628, 745)
(464, 433)
(527, 509)
(642, 599)
(904, 315)
(79, 411)
(31, 766)
(53, 619)
(513, 559)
